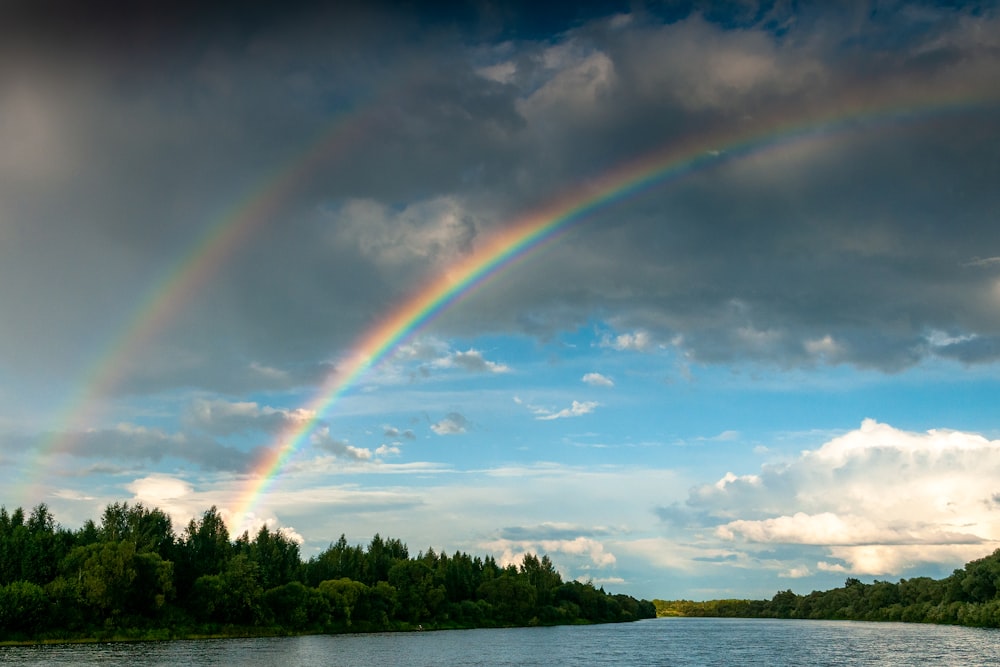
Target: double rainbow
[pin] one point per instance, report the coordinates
(531, 232)
(230, 230)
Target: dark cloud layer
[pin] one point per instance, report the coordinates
(151, 445)
(129, 134)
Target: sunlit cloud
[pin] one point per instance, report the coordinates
(879, 499)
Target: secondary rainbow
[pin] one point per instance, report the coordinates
(167, 295)
(539, 228)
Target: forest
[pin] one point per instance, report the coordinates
(130, 576)
(969, 596)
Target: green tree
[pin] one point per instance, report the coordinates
(23, 608)
(418, 598)
(204, 550)
(244, 593)
(511, 597)
(348, 599)
(294, 606)
(338, 561)
(382, 604)
(783, 604)
(462, 576)
(377, 562)
(115, 580)
(41, 558)
(235, 596)
(12, 537)
(276, 556)
(543, 576)
(981, 579)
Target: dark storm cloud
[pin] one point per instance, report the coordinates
(974, 350)
(851, 255)
(133, 443)
(130, 133)
(117, 173)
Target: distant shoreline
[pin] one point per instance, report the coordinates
(969, 597)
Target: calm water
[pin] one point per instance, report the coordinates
(683, 641)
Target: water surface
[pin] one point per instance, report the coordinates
(666, 641)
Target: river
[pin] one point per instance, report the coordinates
(665, 641)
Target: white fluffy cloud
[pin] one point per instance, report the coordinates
(513, 551)
(576, 409)
(598, 380)
(435, 354)
(878, 499)
(453, 424)
(471, 360)
(387, 450)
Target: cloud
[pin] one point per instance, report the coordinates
(173, 495)
(134, 443)
(577, 409)
(796, 572)
(408, 183)
(321, 439)
(983, 262)
(877, 499)
(638, 341)
(393, 432)
(435, 354)
(387, 450)
(725, 436)
(435, 231)
(829, 529)
(551, 531)
(452, 424)
(220, 417)
(598, 380)
(513, 551)
(471, 360)
(157, 489)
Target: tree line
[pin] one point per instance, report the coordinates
(969, 596)
(129, 576)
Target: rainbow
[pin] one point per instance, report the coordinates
(167, 295)
(539, 228)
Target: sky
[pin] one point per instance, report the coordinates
(700, 299)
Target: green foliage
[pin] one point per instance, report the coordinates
(276, 556)
(345, 598)
(115, 580)
(294, 605)
(970, 596)
(23, 607)
(130, 576)
(512, 598)
(338, 561)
